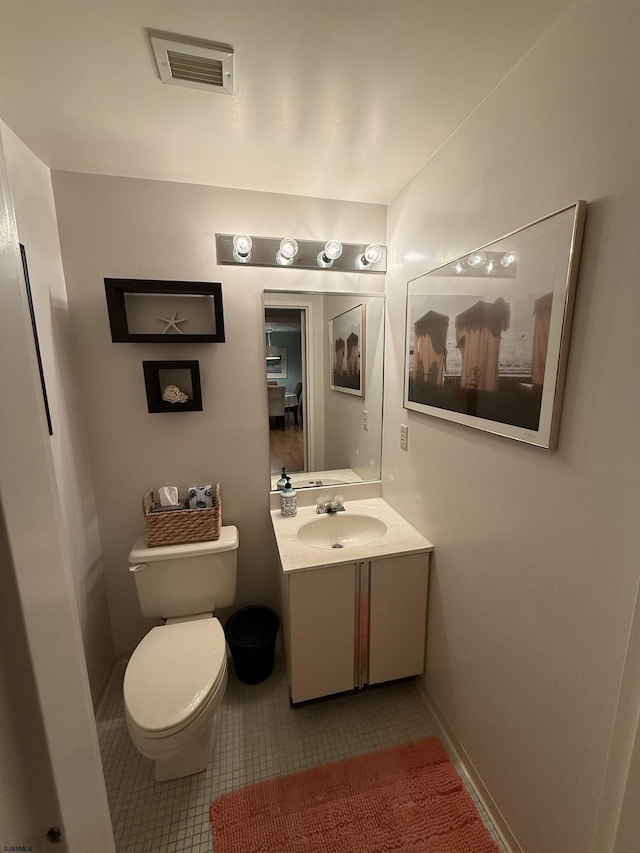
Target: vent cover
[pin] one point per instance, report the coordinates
(198, 64)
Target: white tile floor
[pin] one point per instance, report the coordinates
(259, 736)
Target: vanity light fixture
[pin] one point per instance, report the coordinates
(486, 264)
(242, 244)
(293, 253)
(371, 255)
(331, 252)
(287, 251)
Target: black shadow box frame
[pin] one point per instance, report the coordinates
(154, 385)
(116, 290)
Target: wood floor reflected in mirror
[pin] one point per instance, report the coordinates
(287, 447)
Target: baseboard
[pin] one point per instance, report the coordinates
(507, 837)
(104, 687)
(100, 693)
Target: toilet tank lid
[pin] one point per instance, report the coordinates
(228, 541)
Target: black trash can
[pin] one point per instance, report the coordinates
(251, 633)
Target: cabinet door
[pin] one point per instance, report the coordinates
(322, 630)
(398, 617)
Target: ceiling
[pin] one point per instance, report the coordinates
(342, 99)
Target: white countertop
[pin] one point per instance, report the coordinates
(400, 538)
(330, 479)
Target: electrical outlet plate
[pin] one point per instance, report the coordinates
(404, 437)
(365, 419)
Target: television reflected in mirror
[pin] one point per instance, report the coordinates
(317, 345)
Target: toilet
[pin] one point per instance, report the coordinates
(177, 675)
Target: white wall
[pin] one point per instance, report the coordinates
(32, 194)
(127, 228)
(28, 805)
(535, 567)
(49, 756)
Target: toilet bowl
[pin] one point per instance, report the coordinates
(173, 687)
(176, 677)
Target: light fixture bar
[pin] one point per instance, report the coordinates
(264, 251)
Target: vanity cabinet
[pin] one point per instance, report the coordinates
(397, 617)
(354, 624)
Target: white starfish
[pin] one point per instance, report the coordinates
(172, 323)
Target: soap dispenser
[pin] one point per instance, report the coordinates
(282, 482)
(288, 499)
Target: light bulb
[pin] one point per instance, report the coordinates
(287, 252)
(477, 259)
(331, 252)
(458, 268)
(333, 249)
(510, 259)
(371, 255)
(242, 244)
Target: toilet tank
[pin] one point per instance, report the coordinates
(182, 580)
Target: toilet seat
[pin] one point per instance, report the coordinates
(173, 675)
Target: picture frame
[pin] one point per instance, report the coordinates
(487, 334)
(277, 368)
(347, 351)
(164, 312)
(184, 375)
(32, 313)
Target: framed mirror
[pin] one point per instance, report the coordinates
(317, 347)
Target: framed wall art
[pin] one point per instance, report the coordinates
(172, 386)
(347, 351)
(25, 270)
(487, 334)
(164, 312)
(277, 368)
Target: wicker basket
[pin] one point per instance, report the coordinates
(178, 526)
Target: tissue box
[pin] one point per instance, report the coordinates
(179, 526)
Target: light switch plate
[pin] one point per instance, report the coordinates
(404, 437)
(365, 419)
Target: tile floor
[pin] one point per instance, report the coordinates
(259, 736)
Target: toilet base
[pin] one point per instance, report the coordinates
(192, 760)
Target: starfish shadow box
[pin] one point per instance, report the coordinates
(149, 311)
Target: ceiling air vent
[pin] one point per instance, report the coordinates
(198, 64)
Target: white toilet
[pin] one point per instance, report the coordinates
(176, 677)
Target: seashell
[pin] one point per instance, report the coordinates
(173, 394)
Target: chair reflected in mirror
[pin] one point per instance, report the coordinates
(298, 393)
(276, 406)
(292, 403)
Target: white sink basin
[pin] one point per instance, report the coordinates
(341, 530)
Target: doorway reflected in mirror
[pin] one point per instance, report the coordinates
(284, 367)
(325, 437)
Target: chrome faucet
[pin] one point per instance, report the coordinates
(330, 505)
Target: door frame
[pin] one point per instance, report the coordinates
(309, 404)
